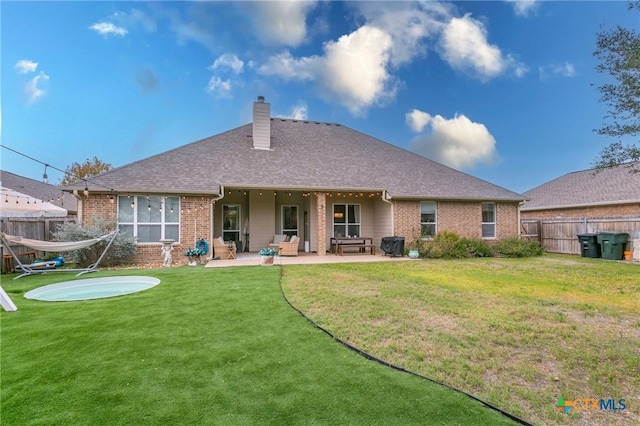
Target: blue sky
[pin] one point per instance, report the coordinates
(503, 90)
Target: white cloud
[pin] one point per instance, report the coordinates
(417, 120)
(33, 88)
(281, 22)
(523, 7)
(565, 69)
(353, 69)
(465, 47)
(219, 88)
(25, 66)
(229, 61)
(457, 142)
(298, 112)
(287, 67)
(408, 24)
(107, 28)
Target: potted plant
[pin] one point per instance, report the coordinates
(267, 254)
(194, 255)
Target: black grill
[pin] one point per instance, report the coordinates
(393, 246)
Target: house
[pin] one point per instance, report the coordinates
(584, 202)
(282, 176)
(40, 191)
(612, 192)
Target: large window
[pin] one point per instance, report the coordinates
(488, 220)
(428, 219)
(231, 222)
(290, 220)
(346, 220)
(149, 218)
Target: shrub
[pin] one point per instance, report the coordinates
(472, 247)
(514, 247)
(122, 249)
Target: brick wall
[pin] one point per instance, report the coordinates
(619, 210)
(507, 220)
(406, 220)
(195, 211)
(463, 218)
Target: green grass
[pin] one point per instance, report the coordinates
(518, 333)
(206, 346)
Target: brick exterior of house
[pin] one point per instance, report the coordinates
(463, 218)
(194, 211)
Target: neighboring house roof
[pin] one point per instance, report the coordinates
(305, 155)
(617, 185)
(40, 190)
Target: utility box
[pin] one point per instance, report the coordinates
(589, 245)
(612, 244)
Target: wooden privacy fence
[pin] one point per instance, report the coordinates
(35, 229)
(561, 235)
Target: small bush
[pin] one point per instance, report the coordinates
(122, 249)
(472, 247)
(514, 247)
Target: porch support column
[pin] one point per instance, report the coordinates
(322, 224)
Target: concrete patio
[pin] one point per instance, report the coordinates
(254, 259)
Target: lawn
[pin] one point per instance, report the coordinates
(206, 346)
(518, 333)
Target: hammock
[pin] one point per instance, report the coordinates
(55, 246)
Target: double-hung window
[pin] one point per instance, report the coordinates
(488, 220)
(149, 218)
(428, 227)
(346, 220)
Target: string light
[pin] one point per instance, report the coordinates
(45, 178)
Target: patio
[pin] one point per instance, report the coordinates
(253, 259)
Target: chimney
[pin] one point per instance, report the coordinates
(261, 124)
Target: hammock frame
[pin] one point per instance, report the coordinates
(30, 270)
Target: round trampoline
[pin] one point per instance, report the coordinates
(92, 288)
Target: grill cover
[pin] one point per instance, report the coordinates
(393, 246)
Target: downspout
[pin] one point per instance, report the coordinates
(212, 216)
(520, 221)
(80, 205)
(384, 198)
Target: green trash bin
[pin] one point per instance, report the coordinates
(612, 244)
(589, 246)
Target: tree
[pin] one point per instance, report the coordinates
(618, 51)
(87, 169)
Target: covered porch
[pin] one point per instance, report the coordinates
(251, 217)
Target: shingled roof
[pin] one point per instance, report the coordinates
(304, 155)
(40, 190)
(592, 187)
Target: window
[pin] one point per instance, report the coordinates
(149, 218)
(290, 220)
(428, 219)
(488, 220)
(231, 222)
(346, 220)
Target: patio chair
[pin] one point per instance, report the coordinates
(224, 249)
(289, 248)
